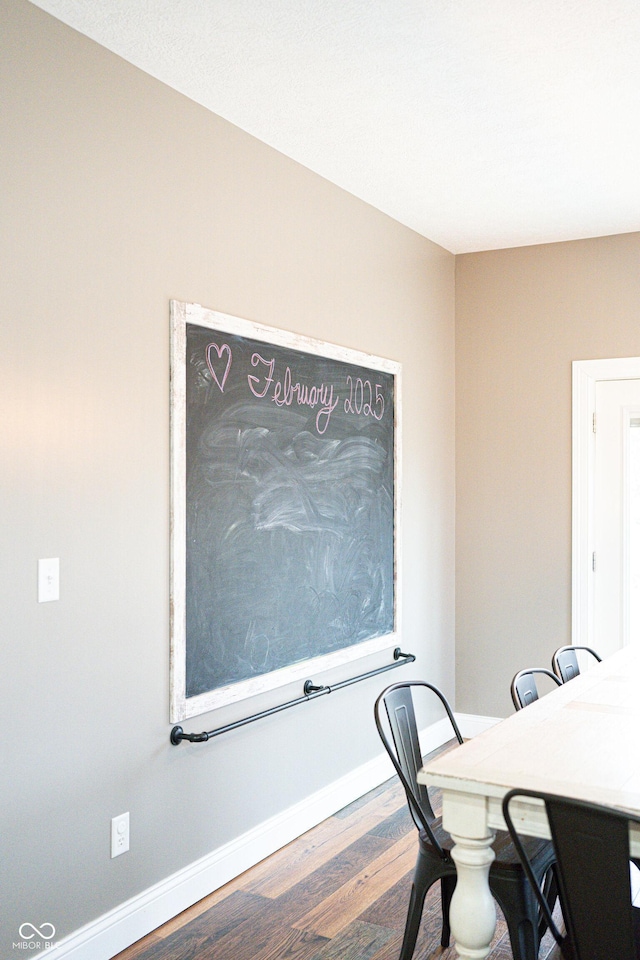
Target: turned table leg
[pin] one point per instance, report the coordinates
(473, 911)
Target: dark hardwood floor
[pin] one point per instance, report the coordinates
(340, 892)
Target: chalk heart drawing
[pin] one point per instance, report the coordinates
(224, 349)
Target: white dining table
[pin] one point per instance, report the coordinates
(582, 740)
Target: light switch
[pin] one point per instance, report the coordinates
(48, 579)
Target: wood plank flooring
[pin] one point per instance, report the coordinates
(340, 892)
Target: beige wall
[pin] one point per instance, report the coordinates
(522, 316)
(118, 194)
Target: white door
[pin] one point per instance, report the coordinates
(602, 523)
(616, 514)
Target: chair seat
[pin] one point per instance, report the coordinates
(441, 835)
(506, 856)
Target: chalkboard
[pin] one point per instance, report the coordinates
(284, 507)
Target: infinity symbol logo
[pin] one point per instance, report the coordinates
(40, 933)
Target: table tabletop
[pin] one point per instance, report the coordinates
(580, 740)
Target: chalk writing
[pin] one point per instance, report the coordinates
(225, 348)
(286, 392)
(357, 403)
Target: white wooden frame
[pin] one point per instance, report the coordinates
(181, 706)
(586, 373)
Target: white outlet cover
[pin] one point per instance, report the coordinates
(119, 835)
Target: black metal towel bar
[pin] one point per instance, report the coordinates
(310, 693)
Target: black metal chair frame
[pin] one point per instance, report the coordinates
(564, 662)
(507, 879)
(591, 843)
(520, 688)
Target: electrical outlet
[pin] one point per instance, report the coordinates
(119, 835)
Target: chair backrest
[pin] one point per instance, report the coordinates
(591, 843)
(565, 662)
(524, 689)
(403, 746)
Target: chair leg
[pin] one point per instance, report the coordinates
(550, 891)
(421, 882)
(523, 916)
(414, 916)
(524, 940)
(520, 910)
(447, 886)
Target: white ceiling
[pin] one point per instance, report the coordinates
(479, 123)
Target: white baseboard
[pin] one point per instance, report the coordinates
(471, 725)
(435, 735)
(114, 931)
(103, 938)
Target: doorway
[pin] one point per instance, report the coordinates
(606, 503)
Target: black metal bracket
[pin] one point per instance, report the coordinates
(310, 692)
(309, 688)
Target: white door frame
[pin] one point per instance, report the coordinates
(586, 373)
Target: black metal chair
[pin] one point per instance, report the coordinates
(592, 849)
(524, 689)
(565, 662)
(395, 713)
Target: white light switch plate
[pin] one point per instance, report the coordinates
(48, 580)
